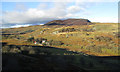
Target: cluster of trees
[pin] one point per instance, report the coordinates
(29, 50)
(31, 39)
(67, 30)
(21, 49)
(52, 42)
(46, 42)
(7, 49)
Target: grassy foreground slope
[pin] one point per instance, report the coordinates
(42, 58)
(100, 39)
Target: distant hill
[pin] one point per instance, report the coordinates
(70, 22)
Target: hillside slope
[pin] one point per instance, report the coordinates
(99, 39)
(69, 22)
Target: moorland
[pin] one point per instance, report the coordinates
(71, 44)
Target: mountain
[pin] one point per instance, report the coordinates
(70, 22)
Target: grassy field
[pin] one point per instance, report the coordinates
(98, 39)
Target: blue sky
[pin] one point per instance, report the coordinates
(21, 13)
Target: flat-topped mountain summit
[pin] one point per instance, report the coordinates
(70, 22)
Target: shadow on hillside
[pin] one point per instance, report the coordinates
(51, 59)
(54, 24)
(43, 63)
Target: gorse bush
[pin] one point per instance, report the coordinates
(52, 42)
(24, 48)
(104, 49)
(15, 50)
(30, 39)
(5, 49)
(32, 51)
(67, 30)
(102, 38)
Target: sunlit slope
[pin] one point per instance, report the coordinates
(97, 39)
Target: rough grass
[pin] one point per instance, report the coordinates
(75, 42)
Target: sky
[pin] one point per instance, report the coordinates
(17, 14)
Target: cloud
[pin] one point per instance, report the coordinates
(60, 0)
(44, 13)
(16, 26)
(75, 9)
(40, 14)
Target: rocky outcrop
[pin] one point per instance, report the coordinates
(69, 22)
